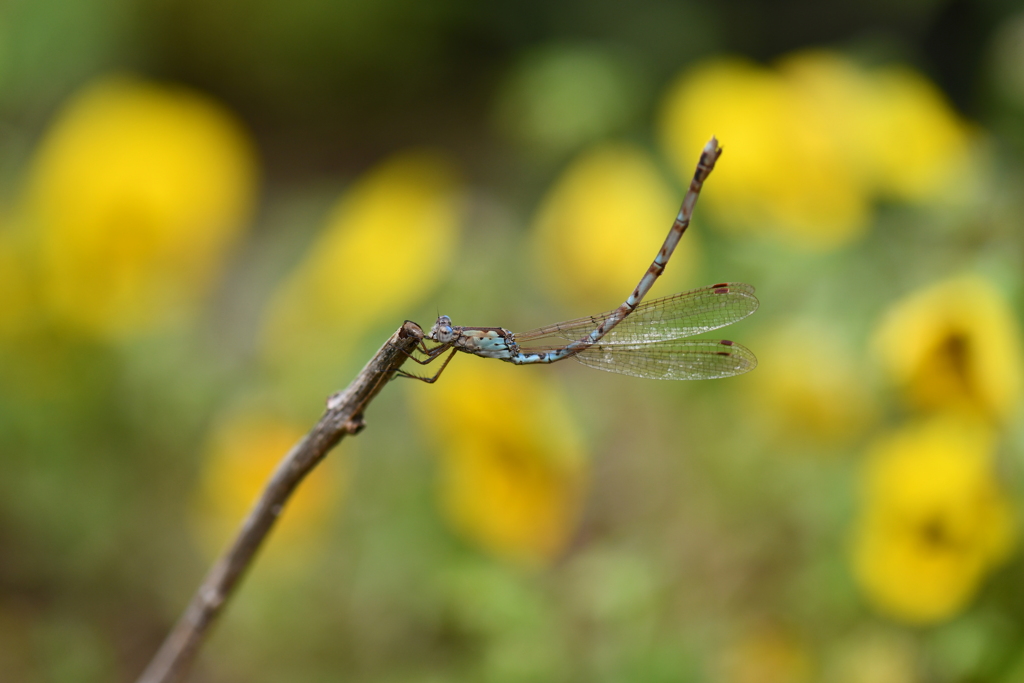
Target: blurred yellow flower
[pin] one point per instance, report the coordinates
(810, 144)
(954, 345)
(934, 519)
(808, 387)
(512, 467)
(385, 246)
(783, 171)
(895, 127)
(921, 151)
(137, 192)
(598, 228)
(242, 451)
(766, 655)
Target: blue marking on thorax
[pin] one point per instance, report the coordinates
(485, 343)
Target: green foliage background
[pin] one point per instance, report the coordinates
(710, 544)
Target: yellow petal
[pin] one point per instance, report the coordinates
(602, 223)
(242, 452)
(513, 470)
(811, 144)
(808, 388)
(934, 519)
(386, 245)
(138, 191)
(954, 345)
(783, 171)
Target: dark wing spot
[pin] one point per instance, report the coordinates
(723, 353)
(725, 342)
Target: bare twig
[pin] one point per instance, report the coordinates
(344, 415)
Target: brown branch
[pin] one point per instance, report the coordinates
(344, 415)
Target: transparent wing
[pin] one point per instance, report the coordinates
(675, 359)
(671, 317)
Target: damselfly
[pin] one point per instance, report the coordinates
(643, 340)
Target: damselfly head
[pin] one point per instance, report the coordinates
(442, 330)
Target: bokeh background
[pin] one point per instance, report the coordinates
(212, 214)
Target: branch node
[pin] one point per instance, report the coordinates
(355, 425)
